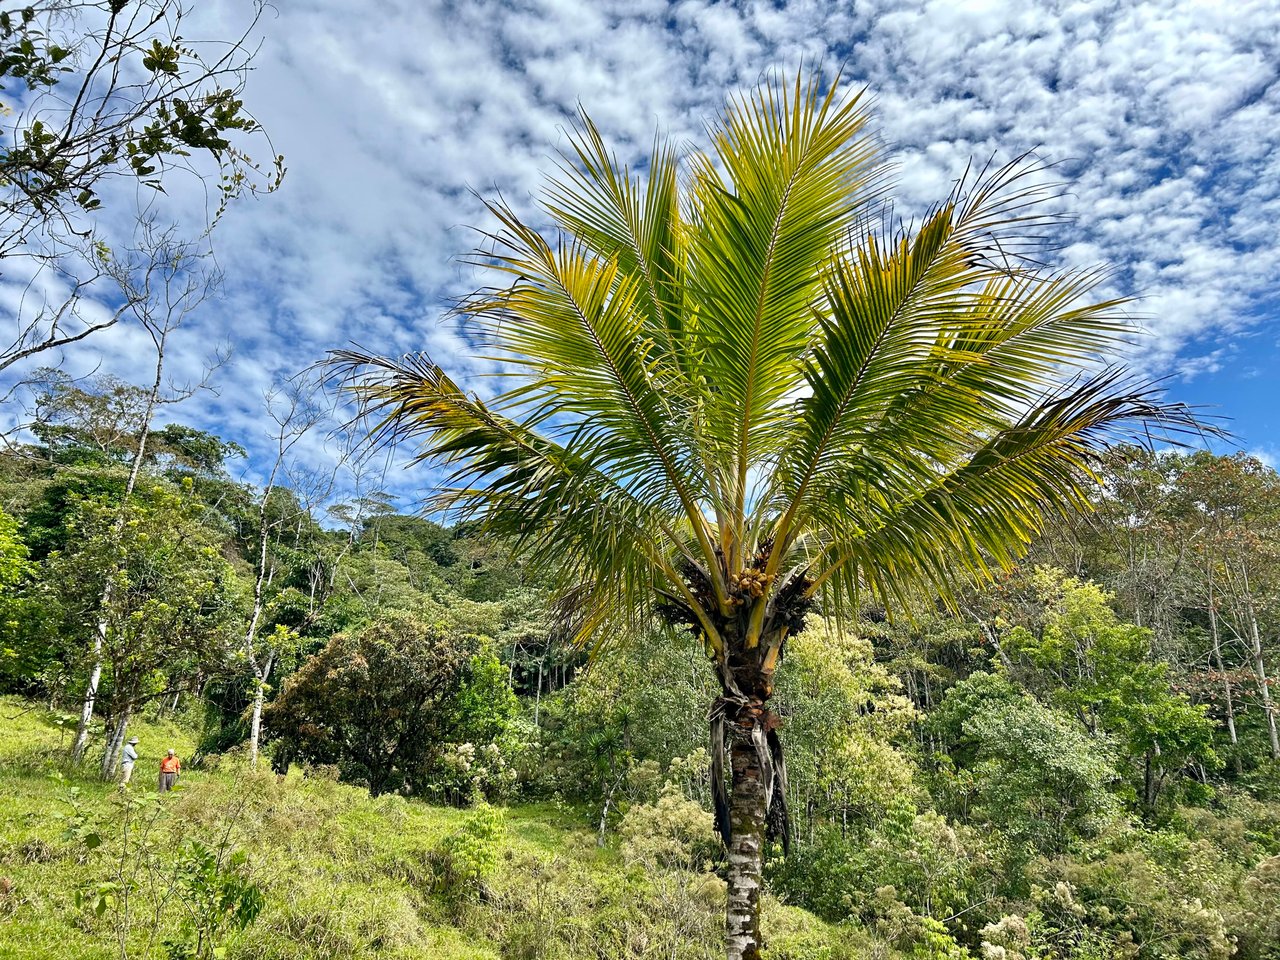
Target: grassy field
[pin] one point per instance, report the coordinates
(90, 871)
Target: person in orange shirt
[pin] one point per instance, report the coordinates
(170, 767)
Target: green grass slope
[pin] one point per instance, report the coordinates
(89, 871)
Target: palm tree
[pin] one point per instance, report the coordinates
(737, 389)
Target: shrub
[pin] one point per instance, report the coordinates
(377, 703)
(1259, 916)
(919, 937)
(1125, 898)
(935, 868)
(468, 855)
(671, 834)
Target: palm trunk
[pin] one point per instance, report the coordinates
(747, 812)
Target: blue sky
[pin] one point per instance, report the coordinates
(1166, 115)
(1245, 389)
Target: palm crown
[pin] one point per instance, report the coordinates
(737, 387)
(763, 381)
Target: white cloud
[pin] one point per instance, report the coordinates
(1267, 455)
(1166, 115)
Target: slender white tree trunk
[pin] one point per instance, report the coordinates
(293, 422)
(1221, 668)
(537, 697)
(255, 723)
(115, 743)
(90, 698)
(1264, 687)
(1254, 639)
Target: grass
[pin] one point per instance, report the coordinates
(344, 875)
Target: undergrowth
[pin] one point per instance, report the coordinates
(244, 865)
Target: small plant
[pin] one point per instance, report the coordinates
(80, 823)
(149, 877)
(218, 895)
(467, 856)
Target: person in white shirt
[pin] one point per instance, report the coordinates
(128, 759)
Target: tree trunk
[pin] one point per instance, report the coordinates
(1226, 681)
(259, 694)
(90, 698)
(1260, 669)
(115, 743)
(537, 697)
(747, 811)
(1264, 685)
(993, 638)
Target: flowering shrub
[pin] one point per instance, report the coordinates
(466, 768)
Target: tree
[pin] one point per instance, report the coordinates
(16, 656)
(152, 590)
(165, 281)
(294, 416)
(843, 712)
(103, 91)
(1038, 776)
(94, 422)
(738, 387)
(1103, 671)
(1235, 502)
(377, 702)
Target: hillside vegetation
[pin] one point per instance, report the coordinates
(341, 874)
(1078, 763)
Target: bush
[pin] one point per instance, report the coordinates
(935, 868)
(1259, 912)
(919, 937)
(672, 834)
(1120, 893)
(378, 703)
(794, 934)
(468, 855)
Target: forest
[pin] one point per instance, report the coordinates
(1078, 762)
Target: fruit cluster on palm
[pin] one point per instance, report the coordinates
(736, 389)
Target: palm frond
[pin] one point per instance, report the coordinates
(970, 521)
(931, 343)
(573, 324)
(799, 169)
(519, 485)
(639, 226)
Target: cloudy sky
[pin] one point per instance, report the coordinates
(1164, 115)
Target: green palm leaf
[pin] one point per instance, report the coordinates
(799, 169)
